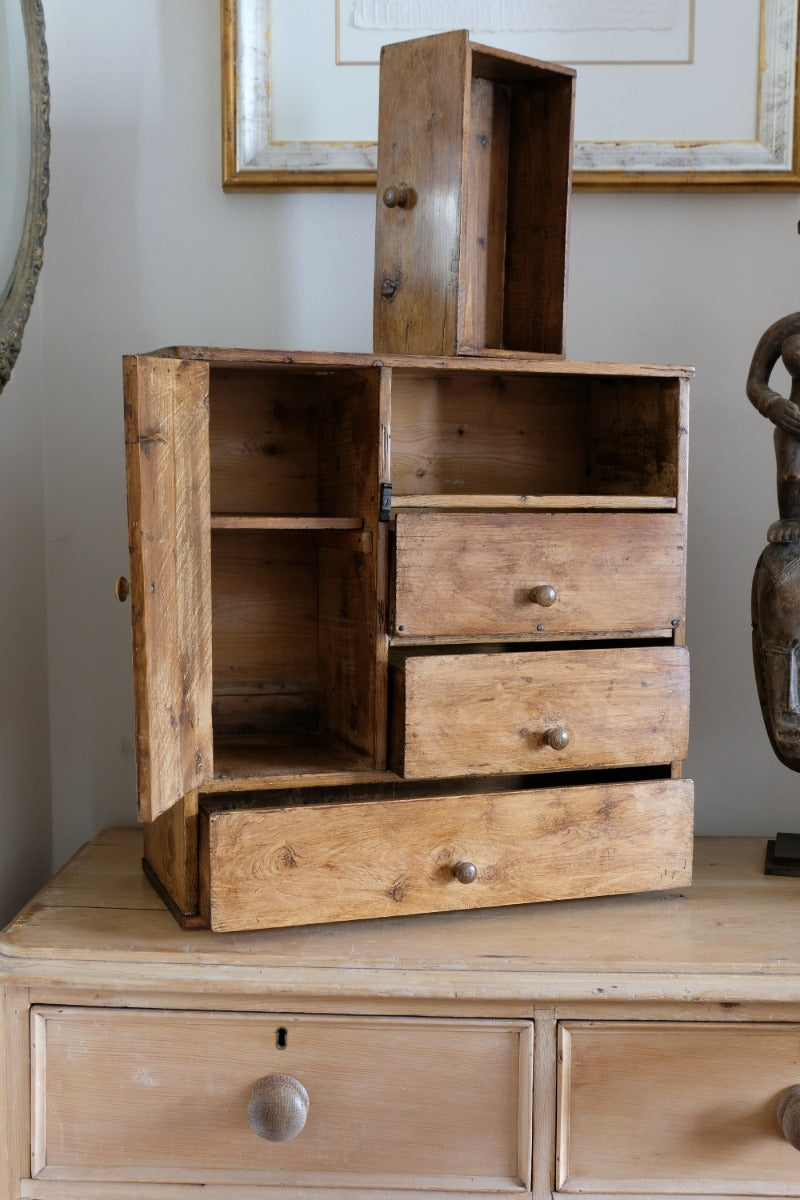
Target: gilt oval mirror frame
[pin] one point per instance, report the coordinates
(17, 291)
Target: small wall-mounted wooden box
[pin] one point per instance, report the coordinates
(474, 177)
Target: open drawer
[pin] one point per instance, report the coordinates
(287, 864)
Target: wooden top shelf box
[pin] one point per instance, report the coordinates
(473, 188)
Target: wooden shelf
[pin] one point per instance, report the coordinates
(270, 524)
(288, 760)
(587, 503)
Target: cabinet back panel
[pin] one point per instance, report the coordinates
(264, 442)
(540, 169)
(482, 435)
(533, 435)
(289, 442)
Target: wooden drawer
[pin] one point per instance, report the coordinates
(262, 867)
(154, 1096)
(496, 713)
(482, 574)
(678, 1109)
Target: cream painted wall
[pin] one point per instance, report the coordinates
(25, 827)
(144, 249)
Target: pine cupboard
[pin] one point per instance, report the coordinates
(408, 633)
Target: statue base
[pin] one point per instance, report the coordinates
(783, 855)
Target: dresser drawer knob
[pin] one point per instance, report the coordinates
(788, 1113)
(278, 1108)
(545, 595)
(557, 739)
(465, 872)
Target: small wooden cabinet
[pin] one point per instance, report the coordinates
(627, 1046)
(407, 632)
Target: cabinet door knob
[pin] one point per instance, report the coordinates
(788, 1114)
(122, 589)
(557, 739)
(465, 872)
(545, 595)
(278, 1108)
(398, 196)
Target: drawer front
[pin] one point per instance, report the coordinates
(675, 1109)
(531, 574)
(485, 714)
(265, 868)
(163, 1096)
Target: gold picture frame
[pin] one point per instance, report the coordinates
(253, 159)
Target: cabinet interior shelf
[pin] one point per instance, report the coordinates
(242, 521)
(288, 760)
(548, 502)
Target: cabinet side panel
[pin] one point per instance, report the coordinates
(347, 606)
(352, 668)
(166, 419)
(170, 850)
(420, 138)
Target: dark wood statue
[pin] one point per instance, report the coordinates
(776, 583)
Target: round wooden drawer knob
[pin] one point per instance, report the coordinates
(788, 1114)
(557, 739)
(465, 872)
(398, 196)
(278, 1108)
(122, 589)
(544, 595)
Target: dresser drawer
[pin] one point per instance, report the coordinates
(154, 1096)
(262, 867)
(526, 574)
(675, 1109)
(531, 711)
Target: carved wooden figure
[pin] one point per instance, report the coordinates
(776, 583)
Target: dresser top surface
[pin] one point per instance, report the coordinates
(734, 932)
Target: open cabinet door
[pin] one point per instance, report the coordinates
(169, 521)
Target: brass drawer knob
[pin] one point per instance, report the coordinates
(545, 595)
(465, 872)
(278, 1108)
(557, 739)
(788, 1114)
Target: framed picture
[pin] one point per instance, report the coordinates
(671, 94)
